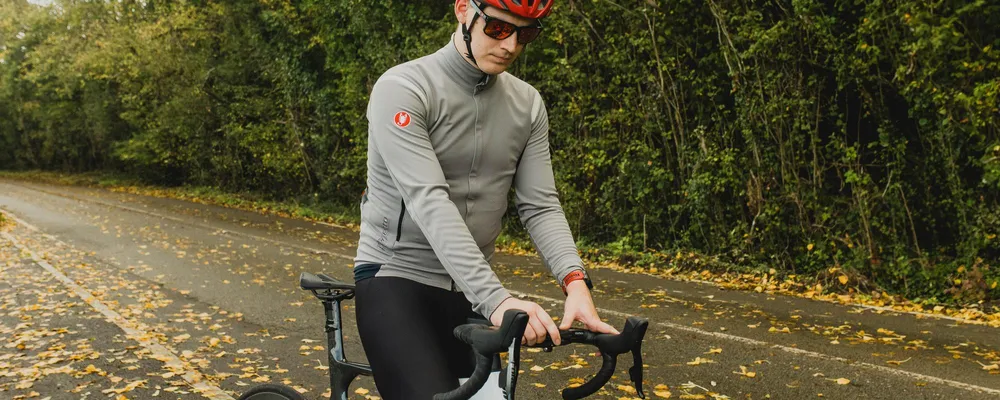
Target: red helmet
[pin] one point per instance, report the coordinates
(534, 9)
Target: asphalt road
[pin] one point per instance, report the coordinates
(172, 299)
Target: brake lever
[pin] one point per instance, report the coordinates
(635, 373)
(508, 376)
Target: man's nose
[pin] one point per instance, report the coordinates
(510, 43)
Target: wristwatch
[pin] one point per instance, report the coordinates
(576, 275)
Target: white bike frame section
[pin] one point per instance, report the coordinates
(490, 391)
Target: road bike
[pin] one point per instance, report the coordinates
(487, 343)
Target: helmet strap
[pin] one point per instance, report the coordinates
(467, 35)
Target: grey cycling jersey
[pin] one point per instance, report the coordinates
(445, 144)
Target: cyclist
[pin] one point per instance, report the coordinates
(449, 134)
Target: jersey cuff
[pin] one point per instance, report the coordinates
(490, 305)
(562, 274)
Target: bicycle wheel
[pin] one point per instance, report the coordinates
(271, 391)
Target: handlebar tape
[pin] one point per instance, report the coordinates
(595, 384)
(475, 382)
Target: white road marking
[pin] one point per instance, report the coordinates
(351, 258)
(159, 352)
(669, 325)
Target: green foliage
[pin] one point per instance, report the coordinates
(793, 134)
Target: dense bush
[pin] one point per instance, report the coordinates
(798, 134)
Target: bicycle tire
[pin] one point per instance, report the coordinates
(271, 391)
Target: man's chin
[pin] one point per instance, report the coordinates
(493, 68)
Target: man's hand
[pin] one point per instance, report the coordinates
(540, 324)
(580, 307)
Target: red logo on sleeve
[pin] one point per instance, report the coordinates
(402, 119)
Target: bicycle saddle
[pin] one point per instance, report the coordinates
(322, 282)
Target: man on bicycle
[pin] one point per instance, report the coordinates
(449, 134)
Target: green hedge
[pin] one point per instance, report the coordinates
(796, 134)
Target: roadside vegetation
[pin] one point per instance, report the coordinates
(851, 148)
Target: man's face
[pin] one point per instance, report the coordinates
(492, 56)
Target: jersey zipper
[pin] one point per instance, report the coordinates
(475, 155)
(475, 134)
(399, 224)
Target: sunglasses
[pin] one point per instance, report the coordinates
(499, 29)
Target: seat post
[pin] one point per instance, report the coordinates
(342, 372)
(334, 330)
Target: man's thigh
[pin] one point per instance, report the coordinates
(406, 329)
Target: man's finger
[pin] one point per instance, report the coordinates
(538, 330)
(607, 328)
(602, 327)
(529, 333)
(567, 321)
(595, 324)
(550, 326)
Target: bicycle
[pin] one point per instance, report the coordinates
(486, 341)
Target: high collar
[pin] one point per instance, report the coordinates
(464, 73)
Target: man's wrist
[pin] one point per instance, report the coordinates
(576, 276)
(577, 286)
(499, 305)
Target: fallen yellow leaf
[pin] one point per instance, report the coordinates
(663, 393)
(843, 279)
(743, 371)
(699, 360)
(627, 389)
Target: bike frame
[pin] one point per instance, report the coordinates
(342, 372)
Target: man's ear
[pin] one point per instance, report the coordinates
(461, 10)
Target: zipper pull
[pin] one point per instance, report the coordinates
(482, 82)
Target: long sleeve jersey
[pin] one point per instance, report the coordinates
(445, 144)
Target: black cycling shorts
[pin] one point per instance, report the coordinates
(406, 330)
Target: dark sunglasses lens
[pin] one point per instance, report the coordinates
(528, 34)
(498, 29)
